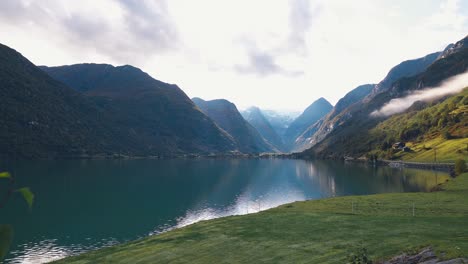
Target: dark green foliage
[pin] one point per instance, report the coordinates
(6, 237)
(417, 125)
(25, 192)
(6, 231)
(28, 196)
(360, 257)
(460, 166)
(446, 135)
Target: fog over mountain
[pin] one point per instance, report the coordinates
(450, 86)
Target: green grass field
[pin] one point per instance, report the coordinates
(445, 150)
(320, 231)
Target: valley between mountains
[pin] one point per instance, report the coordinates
(104, 111)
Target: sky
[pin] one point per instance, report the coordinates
(279, 54)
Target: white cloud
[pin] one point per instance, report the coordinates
(398, 105)
(274, 54)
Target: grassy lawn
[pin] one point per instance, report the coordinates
(320, 231)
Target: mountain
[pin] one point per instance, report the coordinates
(441, 125)
(306, 139)
(454, 48)
(312, 134)
(354, 96)
(364, 93)
(311, 114)
(280, 120)
(43, 118)
(406, 69)
(351, 136)
(255, 117)
(141, 116)
(227, 117)
(337, 116)
(159, 117)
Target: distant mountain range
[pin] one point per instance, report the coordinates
(257, 119)
(280, 120)
(98, 110)
(227, 117)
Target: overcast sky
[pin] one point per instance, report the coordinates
(273, 54)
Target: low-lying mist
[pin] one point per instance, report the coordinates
(451, 85)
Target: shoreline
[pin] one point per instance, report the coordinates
(392, 163)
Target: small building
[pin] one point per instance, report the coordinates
(399, 145)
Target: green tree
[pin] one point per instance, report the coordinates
(446, 135)
(460, 166)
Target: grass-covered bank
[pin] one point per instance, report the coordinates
(320, 231)
(435, 150)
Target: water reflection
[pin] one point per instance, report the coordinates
(83, 205)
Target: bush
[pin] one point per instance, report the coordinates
(446, 135)
(360, 257)
(460, 166)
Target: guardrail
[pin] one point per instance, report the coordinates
(422, 165)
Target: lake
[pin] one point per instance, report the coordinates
(82, 205)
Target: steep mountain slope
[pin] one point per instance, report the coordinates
(227, 117)
(406, 69)
(454, 48)
(43, 118)
(255, 117)
(354, 96)
(365, 93)
(350, 137)
(160, 118)
(306, 139)
(425, 128)
(311, 114)
(316, 132)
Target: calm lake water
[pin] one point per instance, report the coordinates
(84, 205)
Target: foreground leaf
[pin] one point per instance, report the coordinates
(5, 175)
(6, 236)
(27, 195)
